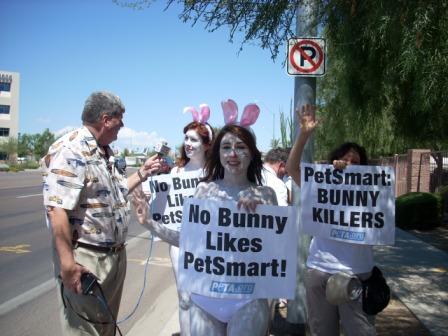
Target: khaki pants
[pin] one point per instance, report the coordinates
(110, 269)
(323, 317)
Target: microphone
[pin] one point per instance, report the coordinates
(162, 149)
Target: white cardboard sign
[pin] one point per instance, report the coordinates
(230, 253)
(168, 194)
(355, 205)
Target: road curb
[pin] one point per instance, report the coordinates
(23, 298)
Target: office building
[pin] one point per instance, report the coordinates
(9, 106)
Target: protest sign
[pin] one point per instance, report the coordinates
(230, 253)
(168, 193)
(354, 205)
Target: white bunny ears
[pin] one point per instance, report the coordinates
(202, 117)
(230, 111)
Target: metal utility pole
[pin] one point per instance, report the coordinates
(304, 93)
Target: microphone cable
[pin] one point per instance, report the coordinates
(145, 272)
(101, 298)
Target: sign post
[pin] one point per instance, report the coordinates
(304, 93)
(306, 57)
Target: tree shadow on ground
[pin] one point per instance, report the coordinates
(398, 320)
(395, 320)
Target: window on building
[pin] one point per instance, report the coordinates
(4, 109)
(4, 132)
(5, 86)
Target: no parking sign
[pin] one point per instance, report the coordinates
(306, 57)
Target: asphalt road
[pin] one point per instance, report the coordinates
(25, 254)
(28, 298)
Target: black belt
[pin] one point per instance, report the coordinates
(97, 248)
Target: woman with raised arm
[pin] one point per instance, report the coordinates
(327, 257)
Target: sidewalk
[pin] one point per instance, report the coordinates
(161, 318)
(418, 275)
(416, 272)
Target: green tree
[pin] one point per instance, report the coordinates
(26, 144)
(275, 143)
(388, 76)
(43, 142)
(387, 73)
(287, 127)
(9, 147)
(126, 152)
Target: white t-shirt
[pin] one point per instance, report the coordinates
(174, 250)
(270, 179)
(332, 256)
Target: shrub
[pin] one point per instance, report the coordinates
(4, 167)
(14, 168)
(418, 210)
(30, 165)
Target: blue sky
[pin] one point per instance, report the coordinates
(65, 49)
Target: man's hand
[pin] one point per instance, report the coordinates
(71, 276)
(70, 271)
(151, 166)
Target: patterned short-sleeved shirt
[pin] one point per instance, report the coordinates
(78, 178)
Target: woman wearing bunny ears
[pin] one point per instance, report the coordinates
(198, 137)
(233, 172)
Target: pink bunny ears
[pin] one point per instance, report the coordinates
(230, 110)
(201, 117)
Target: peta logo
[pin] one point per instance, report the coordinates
(232, 287)
(348, 235)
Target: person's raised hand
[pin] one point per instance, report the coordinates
(307, 118)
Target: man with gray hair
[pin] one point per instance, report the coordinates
(85, 195)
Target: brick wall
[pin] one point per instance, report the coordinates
(418, 170)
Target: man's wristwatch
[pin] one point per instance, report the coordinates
(140, 176)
